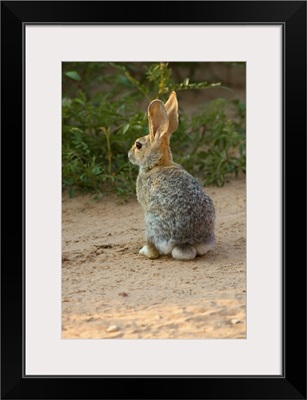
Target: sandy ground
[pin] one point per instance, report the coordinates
(110, 291)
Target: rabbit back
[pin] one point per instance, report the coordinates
(177, 210)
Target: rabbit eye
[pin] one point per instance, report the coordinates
(138, 145)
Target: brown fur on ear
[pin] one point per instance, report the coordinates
(165, 150)
(172, 112)
(157, 119)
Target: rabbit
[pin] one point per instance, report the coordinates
(179, 215)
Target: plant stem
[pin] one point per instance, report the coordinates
(109, 153)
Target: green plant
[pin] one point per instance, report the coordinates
(211, 145)
(103, 112)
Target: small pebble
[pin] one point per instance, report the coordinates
(113, 328)
(235, 321)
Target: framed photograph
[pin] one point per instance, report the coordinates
(165, 101)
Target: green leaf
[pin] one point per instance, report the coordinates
(79, 101)
(126, 127)
(73, 75)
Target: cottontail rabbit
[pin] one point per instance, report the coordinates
(179, 215)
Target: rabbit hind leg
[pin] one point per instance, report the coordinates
(203, 248)
(184, 252)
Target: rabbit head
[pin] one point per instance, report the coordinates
(154, 149)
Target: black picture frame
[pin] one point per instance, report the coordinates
(292, 16)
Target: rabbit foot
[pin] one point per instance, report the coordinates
(149, 251)
(203, 248)
(184, 252)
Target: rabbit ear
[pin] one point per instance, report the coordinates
(157, 118)
(172, 112)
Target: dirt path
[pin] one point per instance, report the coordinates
(110, 291)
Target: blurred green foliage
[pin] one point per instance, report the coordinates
(104, 110)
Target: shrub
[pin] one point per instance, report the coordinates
(104, 111)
